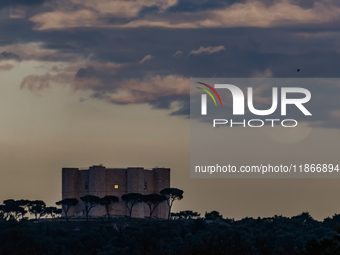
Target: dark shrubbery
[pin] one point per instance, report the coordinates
(299, 235)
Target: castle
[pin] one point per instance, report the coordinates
(101, 181)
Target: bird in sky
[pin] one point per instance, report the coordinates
(298, 70)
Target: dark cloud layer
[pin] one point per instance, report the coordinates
(204, 5)
(247, 49)
(9, 56)
(200, 5)
(148, 10)
(7, 3)
(313, 48)
(307, 4)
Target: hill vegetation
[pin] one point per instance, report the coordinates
(212, 234)
(184, 232)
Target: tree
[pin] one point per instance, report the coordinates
(107, 201)
(24, 203)
(6, 208)
(53, 211)
(185, 215)
(37, 208)
(90, 201)
(214, 215)
(325, 246)
(66, 204)
(190, 214)
(12, 209)
(131, 199)
(153, 200)
(172, 194)
(18, 211)
(304, 219)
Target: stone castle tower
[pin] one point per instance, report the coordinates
(100, 181)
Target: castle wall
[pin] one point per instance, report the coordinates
(83, 190)
(97, 177)
(70, 186)
(116, 177)
(148, 188)
(161, 181)
(100, 181)
(135, 184)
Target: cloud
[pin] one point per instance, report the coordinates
(150, 89)
(89, 13)
(146, 58)
(35, 51)
(209, 49)
(87, 72)
(6, 67)
(267, 73)
(60, 19)
(73, 74)
(178, 53)
(36, 82)
(17, 14)
(5, 55)
(7, 3)
(184, 109)
(145, 10)
(187, 14)
(195, 6)
(104, 60)
(125, 8)
(254, 53)
(86, 83)
(158, 92)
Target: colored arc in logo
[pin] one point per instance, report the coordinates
(213, 90)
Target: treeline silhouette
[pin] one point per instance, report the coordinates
(185, 233)
(17, 209)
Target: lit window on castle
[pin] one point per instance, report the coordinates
(116, 186)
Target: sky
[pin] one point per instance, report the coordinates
(107, 82)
